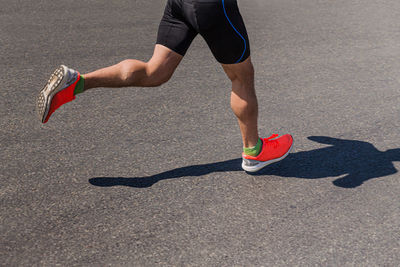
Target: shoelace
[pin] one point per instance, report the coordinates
(273, 143)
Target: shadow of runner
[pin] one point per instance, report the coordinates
(194, 170)
(359, 161)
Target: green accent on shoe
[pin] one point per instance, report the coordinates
(254, 150)
(79, 88)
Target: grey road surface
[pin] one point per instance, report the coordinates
(151, 176)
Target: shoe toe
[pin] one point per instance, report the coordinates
(285, 143)
(287, 139)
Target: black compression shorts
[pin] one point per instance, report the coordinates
(218, 21)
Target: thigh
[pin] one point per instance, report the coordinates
(222, 27)
(174, 31)
(163, 62)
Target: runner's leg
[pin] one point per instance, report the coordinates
(173, 39)
(132, 72)
(244, 99)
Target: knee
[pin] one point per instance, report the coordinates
(157, 74)
(158, 78)
(241, 75)
(147, 74)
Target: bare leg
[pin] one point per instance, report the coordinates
(244, 100)
(132, 72)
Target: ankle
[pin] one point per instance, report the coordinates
(80, 86)
(253, 150)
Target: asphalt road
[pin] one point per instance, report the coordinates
(151, 177)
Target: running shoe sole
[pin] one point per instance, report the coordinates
(55, 83)
(261, 164)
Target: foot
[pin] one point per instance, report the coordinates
(58, 91)
(274, 149)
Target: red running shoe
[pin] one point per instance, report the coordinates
(274, 149)
(58, 91)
